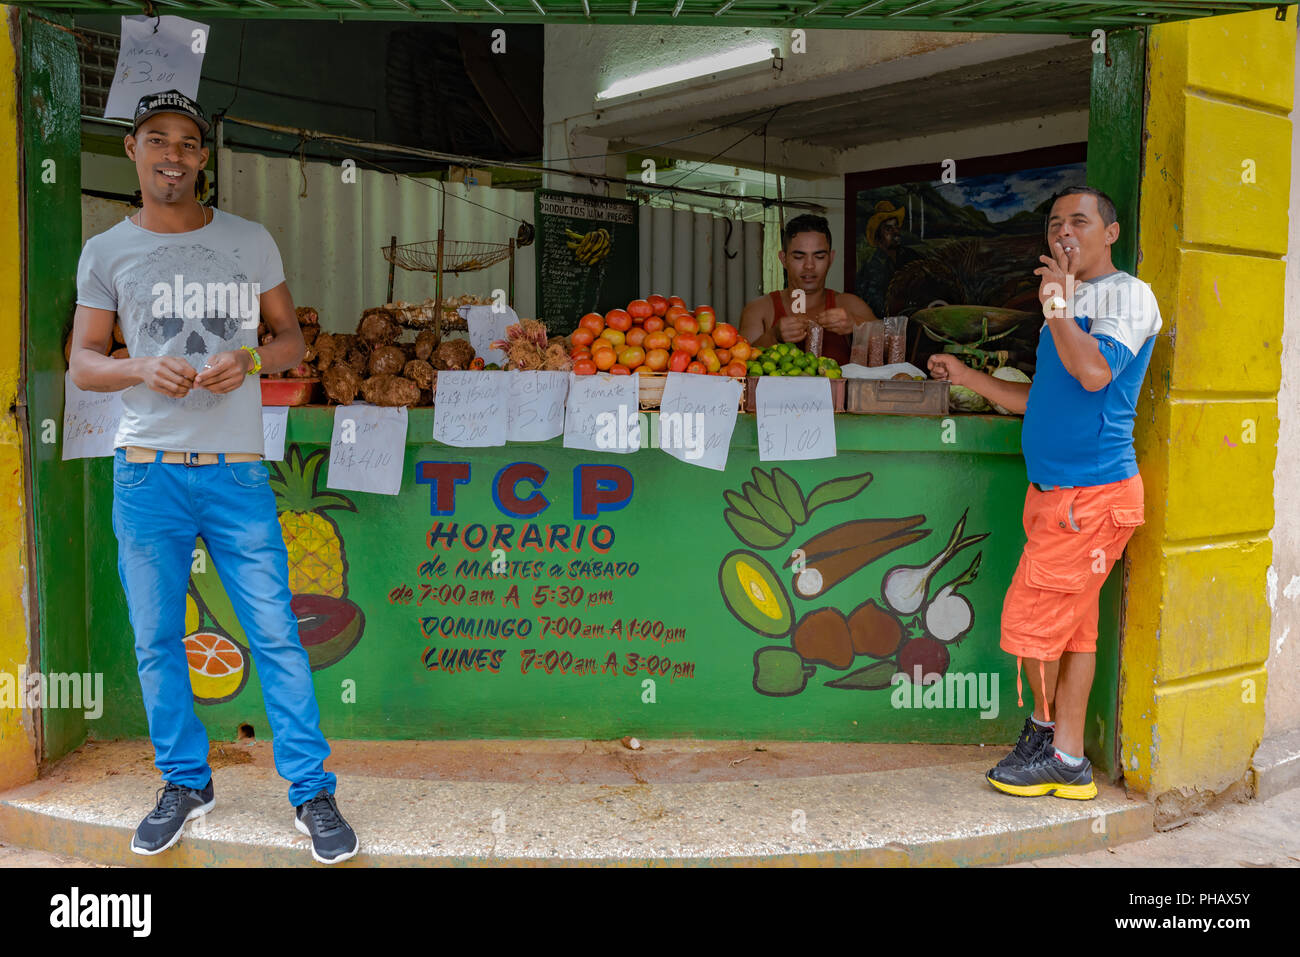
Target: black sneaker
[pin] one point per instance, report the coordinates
(163, 827)
(1044, 773)
(331, 838)
(1031, 739)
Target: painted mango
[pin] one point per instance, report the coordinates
(754, 594)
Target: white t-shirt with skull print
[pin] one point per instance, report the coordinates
(191, 295)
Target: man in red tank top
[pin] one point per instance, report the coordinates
(785, 314)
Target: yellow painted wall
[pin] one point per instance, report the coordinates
(17, 738)
(1211, 245)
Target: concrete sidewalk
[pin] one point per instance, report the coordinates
(581, 802)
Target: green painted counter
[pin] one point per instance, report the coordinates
(654, 626)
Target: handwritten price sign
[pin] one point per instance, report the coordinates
(367, 449)
(536, 408)
(697, 415)
(795, 419)
(156, 54)
(275, 421)
(89, 421)
(470, 409)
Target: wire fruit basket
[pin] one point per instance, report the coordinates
(444, 255)
(457, 255)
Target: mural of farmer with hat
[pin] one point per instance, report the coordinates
(885, 237)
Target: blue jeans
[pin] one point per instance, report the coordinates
(158, 510)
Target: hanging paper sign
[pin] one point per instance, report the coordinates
(536, 409)
(275, 420)
(601, 414)
(469, 409)
(156, 54)
(795, 419)
(367, 449)
(89, 421)
(486, 325)
(697, 415)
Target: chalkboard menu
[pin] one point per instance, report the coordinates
(587, 257)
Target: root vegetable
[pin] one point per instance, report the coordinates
(358, 356)
(419, 372)
(329, 347)
(341, 383)
(309, 334)
(425, 344)
(557, 358)
(455, 353)
(386, 360)
(379, 327)
(390, 390)
(302, 370)
(120, 353)
(307, 316)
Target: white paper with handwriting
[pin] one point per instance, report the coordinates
(601, 414)
(275, 420)
(486, 325)
(89, 421)
(367, 449)
(469, 409)
(155, 54)
(536, 409)
(697, 415)
(795, 418)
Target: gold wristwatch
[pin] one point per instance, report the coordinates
(257, 360)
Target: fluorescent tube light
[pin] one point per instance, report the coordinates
(691, 70)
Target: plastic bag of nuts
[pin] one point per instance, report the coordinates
(895, 344)
(868, 348)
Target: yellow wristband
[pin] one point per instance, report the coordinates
(257, 360)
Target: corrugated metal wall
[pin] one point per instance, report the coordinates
(331, 238)
(688, 254)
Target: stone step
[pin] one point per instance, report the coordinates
(582, 803)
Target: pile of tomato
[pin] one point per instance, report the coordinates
(658, 335)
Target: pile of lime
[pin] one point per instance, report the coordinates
(785, 358)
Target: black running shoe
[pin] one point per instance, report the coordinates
(1031, 739)
(163, 827)
(1044, 774)
(331, 838)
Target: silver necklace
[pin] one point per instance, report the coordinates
(139, 217)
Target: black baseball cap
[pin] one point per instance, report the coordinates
(170, 101)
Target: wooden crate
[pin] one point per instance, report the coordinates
(651, 391)
(896, 397)
(837, 393)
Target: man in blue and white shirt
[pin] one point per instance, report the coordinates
(1085, 496)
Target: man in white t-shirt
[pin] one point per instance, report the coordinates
(188, 284)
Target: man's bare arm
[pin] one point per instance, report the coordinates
(91, 368)
(287, 348)
(754, 325)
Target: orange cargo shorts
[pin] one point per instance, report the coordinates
(1074, 536)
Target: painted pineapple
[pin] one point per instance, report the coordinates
(317, 565)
